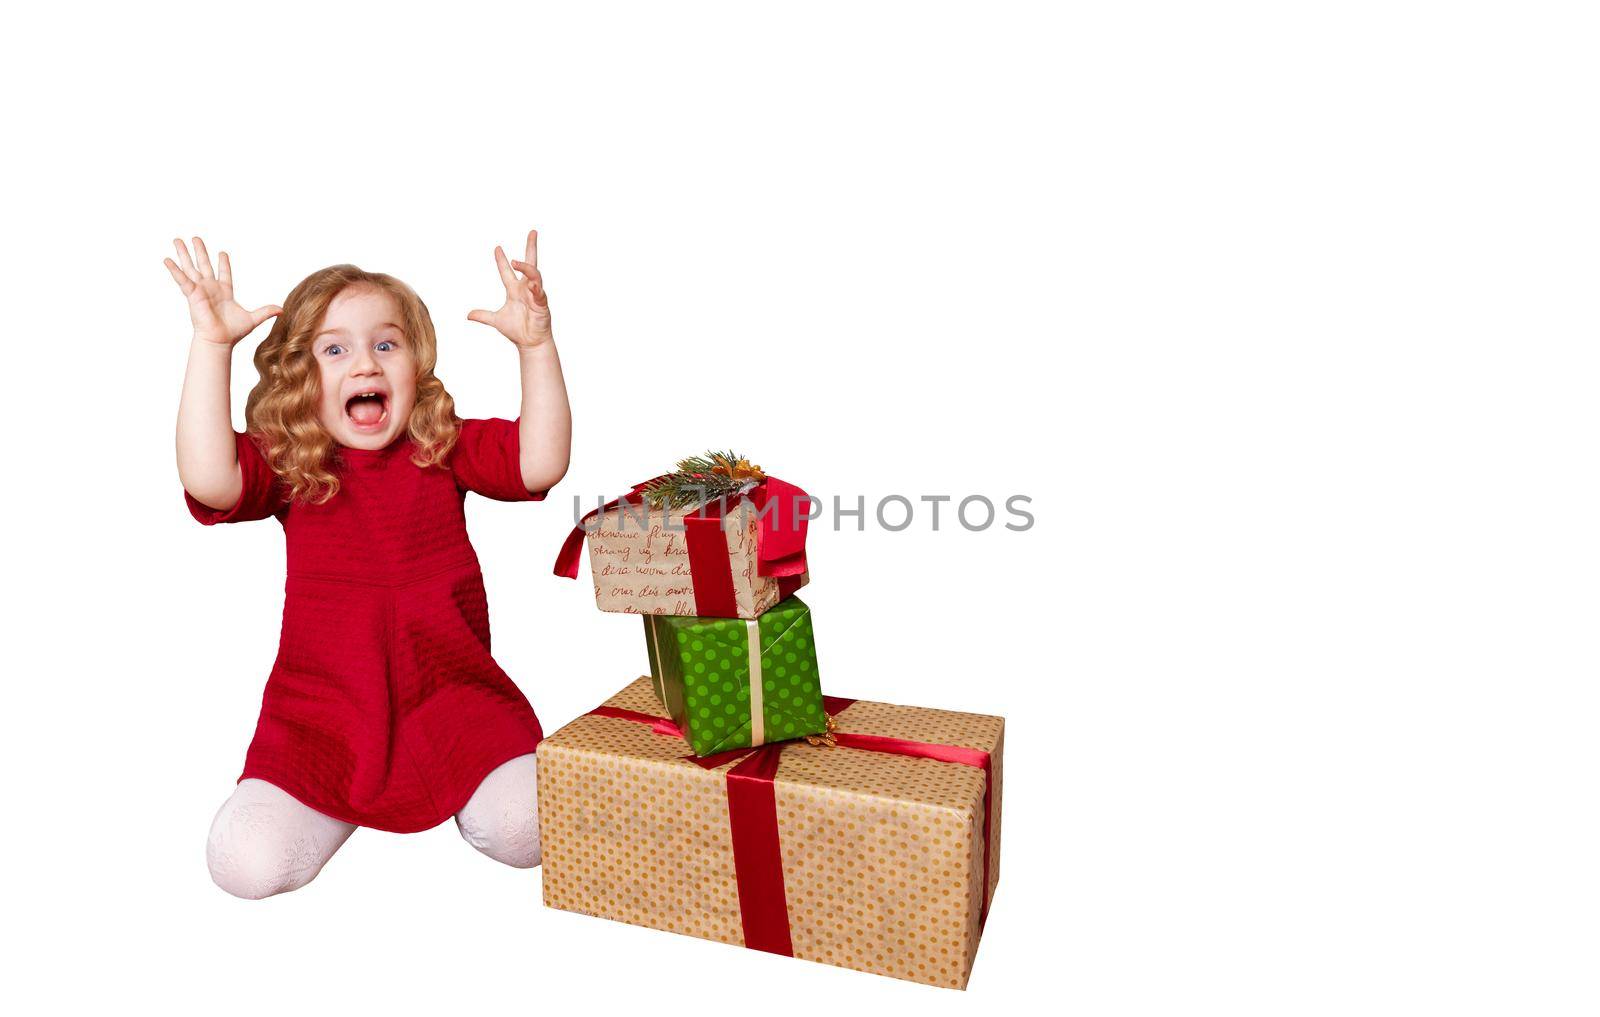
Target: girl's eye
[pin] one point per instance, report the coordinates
(332, 350)
(385, 346)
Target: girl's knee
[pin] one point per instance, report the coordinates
(253, 870)
(263, 842)
(502, 818)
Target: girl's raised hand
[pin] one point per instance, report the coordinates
(525, 316)
(216, 316)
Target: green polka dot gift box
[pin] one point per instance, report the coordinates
(732, 683)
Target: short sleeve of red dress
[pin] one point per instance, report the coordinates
(263, 494)
(487, 460)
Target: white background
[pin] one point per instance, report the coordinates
(1284, 315)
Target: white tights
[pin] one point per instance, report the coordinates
(264, 841)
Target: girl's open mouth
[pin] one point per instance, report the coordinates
(367, 411)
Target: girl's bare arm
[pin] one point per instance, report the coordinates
(208, 464)
(545, 434)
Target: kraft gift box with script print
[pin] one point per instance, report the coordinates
(732, 557)
(640, 559)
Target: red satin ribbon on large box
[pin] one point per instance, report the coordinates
(753, 816)
(780, 546)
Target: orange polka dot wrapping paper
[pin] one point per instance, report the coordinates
(738, 683)
(883, 860)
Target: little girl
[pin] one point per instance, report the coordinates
(384, 707)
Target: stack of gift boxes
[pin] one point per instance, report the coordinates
(723, 795)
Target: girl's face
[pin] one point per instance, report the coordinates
(368, 372)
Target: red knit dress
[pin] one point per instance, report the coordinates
(384, 707)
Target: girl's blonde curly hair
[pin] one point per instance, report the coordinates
(282, 409)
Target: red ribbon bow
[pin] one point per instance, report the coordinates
(780, 554)
(753, 816)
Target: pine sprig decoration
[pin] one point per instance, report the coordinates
(700, 479)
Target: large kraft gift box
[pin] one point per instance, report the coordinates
(880, 852)
(731, 558)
